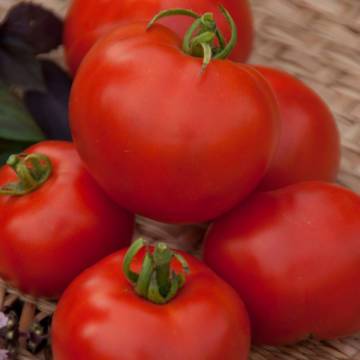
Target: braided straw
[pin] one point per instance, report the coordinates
(319, 42)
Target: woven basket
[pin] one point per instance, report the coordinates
(319, 42)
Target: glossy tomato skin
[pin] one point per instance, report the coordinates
(101, 317)
(88, 20)
(293, 256)
(309, 147)
(163, 138)
(49, 236)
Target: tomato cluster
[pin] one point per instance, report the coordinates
(169, 126)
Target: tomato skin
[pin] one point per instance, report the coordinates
(84, 26)
(179, 150)
(293, 256)
(101, 317)
(49, 236)
(309, 147)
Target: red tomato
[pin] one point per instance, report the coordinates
(50, 235)
(88, 20)
(165, 139)
(101, 317)
(309, 146)
(293, 255)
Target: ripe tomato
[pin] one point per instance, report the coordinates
(51, 234)
(165, 138)
(293, 256)
(309, 146)
(88, 20)
(101, 317)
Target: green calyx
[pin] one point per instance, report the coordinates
(32, 171)
(156, 281)
(200, 38)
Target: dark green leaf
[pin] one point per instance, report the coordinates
(15, 121)
(8, 148)
(33, 25)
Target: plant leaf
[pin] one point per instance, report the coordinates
(33, 25)
(15, 121)
(4, 354)
(50, 109)
(19, 66)
(3, 320)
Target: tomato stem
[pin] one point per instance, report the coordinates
(199, 40)
(225, 52)
(172, 12)
(156, 281)
(32, 170)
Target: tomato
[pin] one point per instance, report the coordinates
(309, 146)
(61, 226)
(293, 255)
(88, 20)
(101, 317)
(166, 137)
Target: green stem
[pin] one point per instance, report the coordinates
(128, 258)
(199, 38)
(188, 36)
(162, 258)
(200, 46)
(206, 37)
(233, 40)
(172, 12)
(221, 39)
(32, 170)
(207, 55)
(143, 282)
(156, 282)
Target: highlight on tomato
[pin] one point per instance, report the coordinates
(169, 127)
(293, 256)
(55, 220)
(88, 20)
(309, 147)
(152, 304)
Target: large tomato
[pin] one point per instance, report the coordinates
(293, 255)
(88, 20)
(309, 146)
(164, 137)
(101, 317)
(54, 224)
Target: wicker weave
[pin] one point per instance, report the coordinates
(319, 41)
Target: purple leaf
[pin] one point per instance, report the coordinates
(3, 321)
(33, 25)
(4, 354)
(19, 66)
(50, 109)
